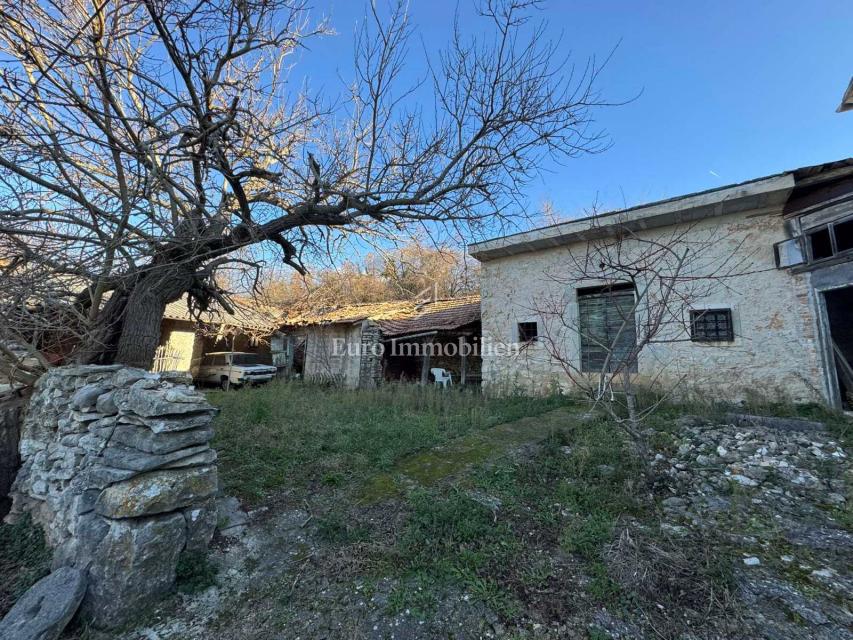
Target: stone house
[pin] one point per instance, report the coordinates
(362, 345)
(782, 328)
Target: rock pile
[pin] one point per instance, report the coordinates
(117, 468)
(789, 470)
(778, 497)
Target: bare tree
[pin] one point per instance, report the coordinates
(145, 145)
(624, 293)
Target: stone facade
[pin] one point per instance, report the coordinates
(775, 351)
(117, 469)
(370, 364)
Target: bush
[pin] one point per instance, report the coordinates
(194, 572)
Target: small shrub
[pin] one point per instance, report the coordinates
(194, 572)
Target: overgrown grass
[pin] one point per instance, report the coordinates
(477, 534)
(292, 434)
(24, 559)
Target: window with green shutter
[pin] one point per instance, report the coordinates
(607, 326)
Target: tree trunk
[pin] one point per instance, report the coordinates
(146, 303)
(140, 333)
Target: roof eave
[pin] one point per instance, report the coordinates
(768, 193)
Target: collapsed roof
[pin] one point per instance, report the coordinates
(397, 318)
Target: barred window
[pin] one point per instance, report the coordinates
(711, 325)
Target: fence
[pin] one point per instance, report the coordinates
(166, 358)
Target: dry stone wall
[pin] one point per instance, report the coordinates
(118, 470)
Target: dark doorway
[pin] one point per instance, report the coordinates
(839, 309)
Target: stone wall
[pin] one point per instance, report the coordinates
(117, 469)
(775, 351)
(370, 364)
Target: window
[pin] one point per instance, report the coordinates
(831, 240)
(245, 358)
(608, 330)
(843, 235)
(528, 331)
(820, 243)
(711, 325)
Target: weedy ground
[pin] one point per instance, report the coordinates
(408, 512)
(293, 435)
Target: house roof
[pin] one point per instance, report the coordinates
(441, 315)
(846, 99)
(247, 315)
(398, 317)
(348, 314)
(769, 193)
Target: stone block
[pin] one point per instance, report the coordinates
(156, 492)
(46, 608)
(87, 396)
(144, 439)
(133, 566)
(151, 402)
(200, 522)
(121, 457)
(200, 459)
(106, 403)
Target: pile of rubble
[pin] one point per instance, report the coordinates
(777, 497)
(118, 471)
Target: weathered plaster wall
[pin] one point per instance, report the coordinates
(117, 469)
(332, 354)
(774, 352)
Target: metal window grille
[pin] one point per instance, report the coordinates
(711, 325)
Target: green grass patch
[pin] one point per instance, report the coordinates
(450, 540)
(293, 434)
(24, 559)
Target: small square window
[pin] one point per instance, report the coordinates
(711, 325)
(528, 331)
(820, 243)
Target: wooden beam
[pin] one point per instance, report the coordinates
(463, 367)
(425, 365)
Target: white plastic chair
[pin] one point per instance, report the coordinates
(442, 376)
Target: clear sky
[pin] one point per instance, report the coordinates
(729, 90)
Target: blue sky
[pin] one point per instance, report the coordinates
(729, 90)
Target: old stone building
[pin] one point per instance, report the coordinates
(362, 345)
(779, 323)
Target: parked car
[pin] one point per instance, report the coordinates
(234, 368)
